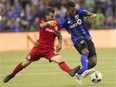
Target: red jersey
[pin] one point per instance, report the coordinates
(47, 36)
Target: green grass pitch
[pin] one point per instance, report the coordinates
(45, 74)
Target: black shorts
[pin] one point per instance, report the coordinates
(82, 43)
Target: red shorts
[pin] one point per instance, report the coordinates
(41, 51)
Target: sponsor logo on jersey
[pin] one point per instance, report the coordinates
(79, 22)
(77, 16)
(49, 30)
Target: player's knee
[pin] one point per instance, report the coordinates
(24, 66)
(60, 60)
(93, 64)
(26, 63)
(57, 59)
(85, 51)
(92, 61)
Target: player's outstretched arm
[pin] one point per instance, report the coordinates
(59, 46)
(45, 24)
(91, 15)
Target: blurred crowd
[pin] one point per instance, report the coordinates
(24, 15)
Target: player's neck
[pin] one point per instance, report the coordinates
(69, 15)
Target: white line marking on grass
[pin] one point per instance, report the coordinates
(54, 73)
(48, 73)
(33, 65)
(44, 65)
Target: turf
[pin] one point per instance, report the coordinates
(45, 74)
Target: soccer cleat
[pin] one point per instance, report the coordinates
(7, 78)
(78, 79)
(75, 70)
(87, 72)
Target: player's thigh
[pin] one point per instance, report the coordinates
(92, 57)
(54, 56)
(81, 45)
(57, 59)
(91, 48)
(35, 54)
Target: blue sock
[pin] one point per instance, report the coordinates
(84, 62)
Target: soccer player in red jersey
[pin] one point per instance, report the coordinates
(49, 29)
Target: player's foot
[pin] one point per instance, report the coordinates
(87, 72)
(7, 78)
(75, 70)
(78, 79)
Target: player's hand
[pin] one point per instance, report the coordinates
(57, 33)
(58, 47)
(93, 16)
(52, 23)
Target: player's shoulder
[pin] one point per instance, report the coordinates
(81, 10)
(57, 27)
(43, 20)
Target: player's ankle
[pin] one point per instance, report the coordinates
(12, 75)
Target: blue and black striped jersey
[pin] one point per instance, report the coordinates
(76, 25)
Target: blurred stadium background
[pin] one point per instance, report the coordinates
(19, 28)
(23, 15)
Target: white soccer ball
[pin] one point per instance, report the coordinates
(96, 77)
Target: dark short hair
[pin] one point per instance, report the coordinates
(49, 10)
(70, 4)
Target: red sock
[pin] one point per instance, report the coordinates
(64, 67)
(18, 68)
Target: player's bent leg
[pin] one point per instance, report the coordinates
(25, 63)
(92, 62)
(87, 72)
(84, 62)
(57, 59)
(18, 68)
(64, 66)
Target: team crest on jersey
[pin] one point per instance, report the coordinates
(77, 16)
(56, 28)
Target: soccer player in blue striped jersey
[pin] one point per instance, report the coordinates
(74, 23)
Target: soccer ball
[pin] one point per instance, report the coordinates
(96, 77)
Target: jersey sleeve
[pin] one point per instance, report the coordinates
(82, 12)
(42, 20)
(58, 27)
(62, 23)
